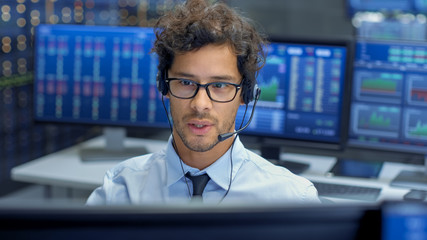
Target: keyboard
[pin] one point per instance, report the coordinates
(347, 191)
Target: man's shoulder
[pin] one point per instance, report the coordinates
(137, 164)
(272, 172)
(263, 164)
(274, 182)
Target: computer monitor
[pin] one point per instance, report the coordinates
(420, 6)
(389, 101)
(390, 6)
(161, 222)
(303, 85)
(99, 75)
(393, 29)
(404, 220)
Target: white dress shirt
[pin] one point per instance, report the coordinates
(159, 178)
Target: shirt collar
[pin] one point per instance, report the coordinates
(219, 171)
(173, 165)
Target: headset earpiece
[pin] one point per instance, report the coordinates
(161, 82)
(251, 91)
(257, 92)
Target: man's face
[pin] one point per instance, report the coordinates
(198, 121)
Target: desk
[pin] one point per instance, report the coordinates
(64, 169)
(320, 166)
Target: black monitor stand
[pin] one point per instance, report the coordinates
(114, 149)
(416, 180)
(272, 154)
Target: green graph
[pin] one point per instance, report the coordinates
(379, 84)
(269, 91)
(420, 129)
(375, 120)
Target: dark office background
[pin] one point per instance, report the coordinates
(304, 18)
(22, 140)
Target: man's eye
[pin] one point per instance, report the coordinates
(187, 83)
(219, 85)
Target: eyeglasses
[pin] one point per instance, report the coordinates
(217, 91)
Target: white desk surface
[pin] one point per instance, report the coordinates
(65, 169)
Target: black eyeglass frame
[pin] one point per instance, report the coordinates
(237, 86)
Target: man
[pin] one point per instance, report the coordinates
(208, 59)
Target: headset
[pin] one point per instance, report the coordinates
(250, 92)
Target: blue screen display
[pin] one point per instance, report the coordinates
(105, 75)
(404, 221)
(389, 99)
(380, 5)
(301, 93)
(97, 75)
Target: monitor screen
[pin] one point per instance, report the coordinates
(302, 86)
(404, 220)
(389, 96)
(392, 29)
(100, 75)
(420, 6)
(379, 6)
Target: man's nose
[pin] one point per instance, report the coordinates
(201, 101)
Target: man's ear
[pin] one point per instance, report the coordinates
(241, 101)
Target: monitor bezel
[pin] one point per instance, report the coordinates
(250, 221)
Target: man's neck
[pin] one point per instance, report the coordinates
(201, 160)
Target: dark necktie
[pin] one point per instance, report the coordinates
(199, 183)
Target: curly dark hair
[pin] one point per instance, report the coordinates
(195, 24)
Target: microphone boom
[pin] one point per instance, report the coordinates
(226, 136)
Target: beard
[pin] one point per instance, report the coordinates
(201, 143)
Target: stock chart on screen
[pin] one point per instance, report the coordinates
(97, 75)
(389, 100)
(301, 92)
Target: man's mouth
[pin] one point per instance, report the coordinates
(199, 128)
